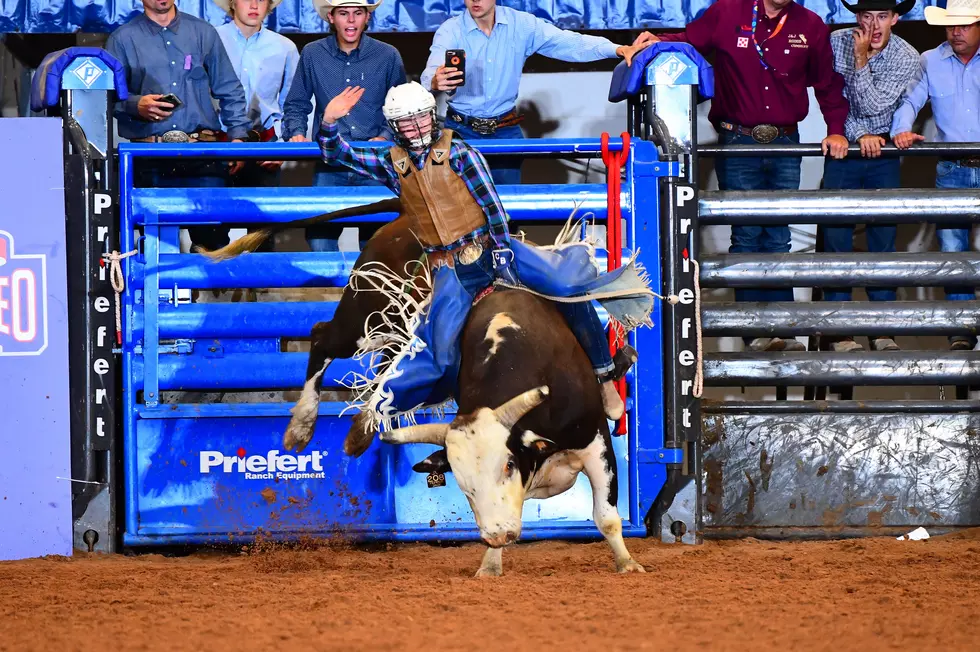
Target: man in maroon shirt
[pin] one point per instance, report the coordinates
(767, 52)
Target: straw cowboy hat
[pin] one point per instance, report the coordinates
(957, 12)
(226, 5)
(324, 7)
(901, 8)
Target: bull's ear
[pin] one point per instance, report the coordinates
(438, 462)
(536, 442)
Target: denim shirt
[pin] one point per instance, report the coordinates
(185, 58)
(953, 87)
(265, 63)
(325, 71)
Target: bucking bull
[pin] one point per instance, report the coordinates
(530, 414)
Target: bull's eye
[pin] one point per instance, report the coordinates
(511, 466)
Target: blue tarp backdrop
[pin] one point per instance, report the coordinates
(53, 16)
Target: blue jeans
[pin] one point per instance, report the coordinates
(860, 174)
(581, 317)
(255, 176)
(954, 237)
(210, 174)
(505, 170)
(326, 236)
(759, 173)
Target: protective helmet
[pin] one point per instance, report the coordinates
(410, 101)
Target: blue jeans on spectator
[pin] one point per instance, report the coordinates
(759, 173)
(955, 237)
(505, 170)
(255, 176)
(860, 174)
(161, 173)
(326, 236)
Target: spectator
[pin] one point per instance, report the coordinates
(328, 66)
(265, 63)
(948, 77)
(877, 66)
(769, 52)
(497, 41)
(167, 51)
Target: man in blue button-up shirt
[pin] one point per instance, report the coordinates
(948, 78)
(347, 57)
(497, 42)
(166, 51)
(265, 63)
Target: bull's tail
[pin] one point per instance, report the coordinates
(252, 241)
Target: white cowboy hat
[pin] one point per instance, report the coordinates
(957, 12)
(324, 7)
(226, 5)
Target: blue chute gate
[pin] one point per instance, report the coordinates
(212, 472)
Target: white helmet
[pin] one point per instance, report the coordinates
(410, 100)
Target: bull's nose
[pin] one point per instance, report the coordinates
(500, 540)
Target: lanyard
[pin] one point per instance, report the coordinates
(755, 23)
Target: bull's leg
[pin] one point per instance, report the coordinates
(600, 467)
(299, 433)
(492, 565)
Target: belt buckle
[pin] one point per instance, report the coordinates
(175, 136)
(764, 134)
(484, 126)
(470, 253)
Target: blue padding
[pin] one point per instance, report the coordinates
(628, 80)
(46, 87)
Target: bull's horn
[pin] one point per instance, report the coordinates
(510, 412)
(426, 433)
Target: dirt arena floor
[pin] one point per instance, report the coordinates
(754, 595)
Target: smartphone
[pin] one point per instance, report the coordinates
(457, 59)
(170, 98)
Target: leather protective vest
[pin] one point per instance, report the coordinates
(440, 206)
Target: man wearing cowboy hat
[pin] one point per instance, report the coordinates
(265, 63)
(348, 57)
(167, 51)
(949, 78)
(877, 66)
(768, 53)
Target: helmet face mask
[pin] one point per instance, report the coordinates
(415, 131)
(411, 113)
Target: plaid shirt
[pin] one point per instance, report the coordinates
(875, 91)
(465, 161)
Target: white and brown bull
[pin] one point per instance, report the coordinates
(530, 418)
(530, 414)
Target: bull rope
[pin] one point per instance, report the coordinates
(118, 281)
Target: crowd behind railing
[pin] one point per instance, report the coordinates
(191, 82)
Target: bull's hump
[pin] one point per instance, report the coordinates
(497, 332)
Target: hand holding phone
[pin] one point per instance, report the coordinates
(172, 99)
(457, 59)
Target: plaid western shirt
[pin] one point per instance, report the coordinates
(465, 161)
(875, 91)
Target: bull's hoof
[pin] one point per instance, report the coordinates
(360, 435)
(630, 566)
(296, 437)
(489, 571)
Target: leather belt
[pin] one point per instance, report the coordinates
(968, 162)
(466, 254)
(485, 126)
(177, 136)
(761, 134)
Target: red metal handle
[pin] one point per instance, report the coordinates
(614, 162)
